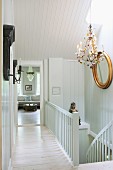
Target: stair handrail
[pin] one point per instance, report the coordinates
(105, 145)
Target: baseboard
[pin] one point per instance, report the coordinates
(10, 165)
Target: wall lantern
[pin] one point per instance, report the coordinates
(8, 39)
(18, 72)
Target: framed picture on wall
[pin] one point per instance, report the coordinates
(28, 87)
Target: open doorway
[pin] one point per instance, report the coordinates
(29, 97)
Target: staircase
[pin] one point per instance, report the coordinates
(101, 149)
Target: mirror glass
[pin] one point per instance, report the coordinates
(102, 71)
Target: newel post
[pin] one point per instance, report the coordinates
(75, 138)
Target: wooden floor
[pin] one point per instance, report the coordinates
(28, 117)
(37, 149)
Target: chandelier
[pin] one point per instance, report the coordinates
(30, 73)
(87, 53)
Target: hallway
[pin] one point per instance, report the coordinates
(37, 149)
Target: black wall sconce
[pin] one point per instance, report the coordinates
(8, 39)
(18, 72)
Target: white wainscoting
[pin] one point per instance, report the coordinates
(56, 81)
(98, 103)
(73, 85)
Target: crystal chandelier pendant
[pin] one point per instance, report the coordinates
(88, 53)
(30, 73)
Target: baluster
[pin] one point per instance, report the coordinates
(45, 111)
(90, 156)
(100, 151)
(75, 139)
(63, 131)
(56, 123)
(60, 127)
(71, 126)
(66, 131)
(108, 144)
(48, 117)
(52, 119)
(53, 125)
(92, 153)
(103, 146)
(97, 150)
(68, 135)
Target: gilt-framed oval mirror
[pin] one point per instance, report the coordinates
(102, 71)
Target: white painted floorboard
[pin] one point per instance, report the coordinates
(37, 149)
(28, 117)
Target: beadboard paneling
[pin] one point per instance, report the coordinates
(73, 85)
(49, 28)
(1, 68)
(56, 81)
(99, 102)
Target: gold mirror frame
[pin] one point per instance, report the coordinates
(110, 73)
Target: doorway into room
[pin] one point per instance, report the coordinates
(29, 95)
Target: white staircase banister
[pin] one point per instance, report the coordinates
(60, 109)
(65, 126)
(102, 144)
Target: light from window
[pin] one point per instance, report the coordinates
(101, 12)
(38, 84)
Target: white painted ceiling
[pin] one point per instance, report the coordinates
(49, 28)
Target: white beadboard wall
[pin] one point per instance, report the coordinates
(99, 102)
(56, 81)
(7, 88)
(1, 69)
(73, 85)
(68, 75)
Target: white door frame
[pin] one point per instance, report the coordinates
(38, 64)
